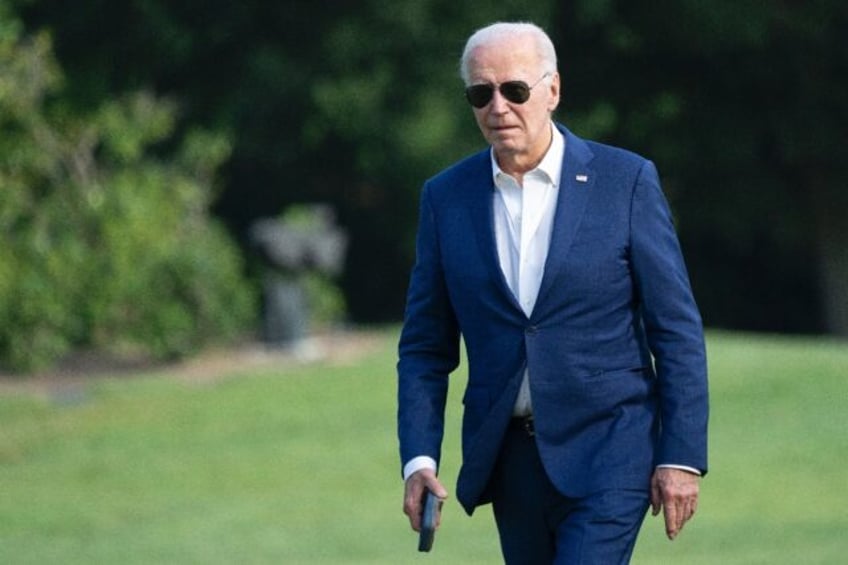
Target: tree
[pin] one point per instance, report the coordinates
(744, 107)
(105, 245)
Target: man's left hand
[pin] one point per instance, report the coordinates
(676, 492)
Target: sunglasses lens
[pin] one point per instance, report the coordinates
(479, 95)
(515, 91)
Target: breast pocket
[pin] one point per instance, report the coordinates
(598, 261)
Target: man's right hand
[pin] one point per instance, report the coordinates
(413, 496)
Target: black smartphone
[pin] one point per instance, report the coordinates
(428, 521)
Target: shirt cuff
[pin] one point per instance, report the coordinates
(686, 468)
(416, 464)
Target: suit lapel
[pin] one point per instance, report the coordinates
(576, 182)
(481, 191)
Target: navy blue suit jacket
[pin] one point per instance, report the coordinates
(614, 345)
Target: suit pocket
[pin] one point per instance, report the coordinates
(614, 374)
(618, 383)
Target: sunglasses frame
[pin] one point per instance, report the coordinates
(515, 92)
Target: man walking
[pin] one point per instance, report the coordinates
(556, 261)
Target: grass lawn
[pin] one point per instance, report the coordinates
(298, 464)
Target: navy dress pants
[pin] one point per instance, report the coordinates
(539, 526)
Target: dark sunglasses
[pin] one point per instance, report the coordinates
(515, 91)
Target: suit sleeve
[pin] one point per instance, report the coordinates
(673, 326)
(429, 346)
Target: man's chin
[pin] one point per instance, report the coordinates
(506, 140)
(505, 147)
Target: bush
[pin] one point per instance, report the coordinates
(106, 245)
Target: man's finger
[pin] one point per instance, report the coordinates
(412, 508)
(434, 486)
(439, 512)
(672, 517)
(413, 493)
(656, 497)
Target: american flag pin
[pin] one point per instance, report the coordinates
(582, 178)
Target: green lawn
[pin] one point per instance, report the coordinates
(299, 465)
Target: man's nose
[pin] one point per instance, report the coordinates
(499, 104)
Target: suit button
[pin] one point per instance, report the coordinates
(531, 330)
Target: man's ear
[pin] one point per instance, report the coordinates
(555, 91)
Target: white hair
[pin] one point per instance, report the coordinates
(502, 30)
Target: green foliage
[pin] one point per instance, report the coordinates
(325, 299)
(104, 244)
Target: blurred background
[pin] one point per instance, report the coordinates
(142, 141)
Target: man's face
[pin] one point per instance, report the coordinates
(519, 133)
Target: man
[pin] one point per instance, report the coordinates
(555, 259)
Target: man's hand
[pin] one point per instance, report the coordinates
(413, 495)
(676, 492)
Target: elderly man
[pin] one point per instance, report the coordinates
(556, 261)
